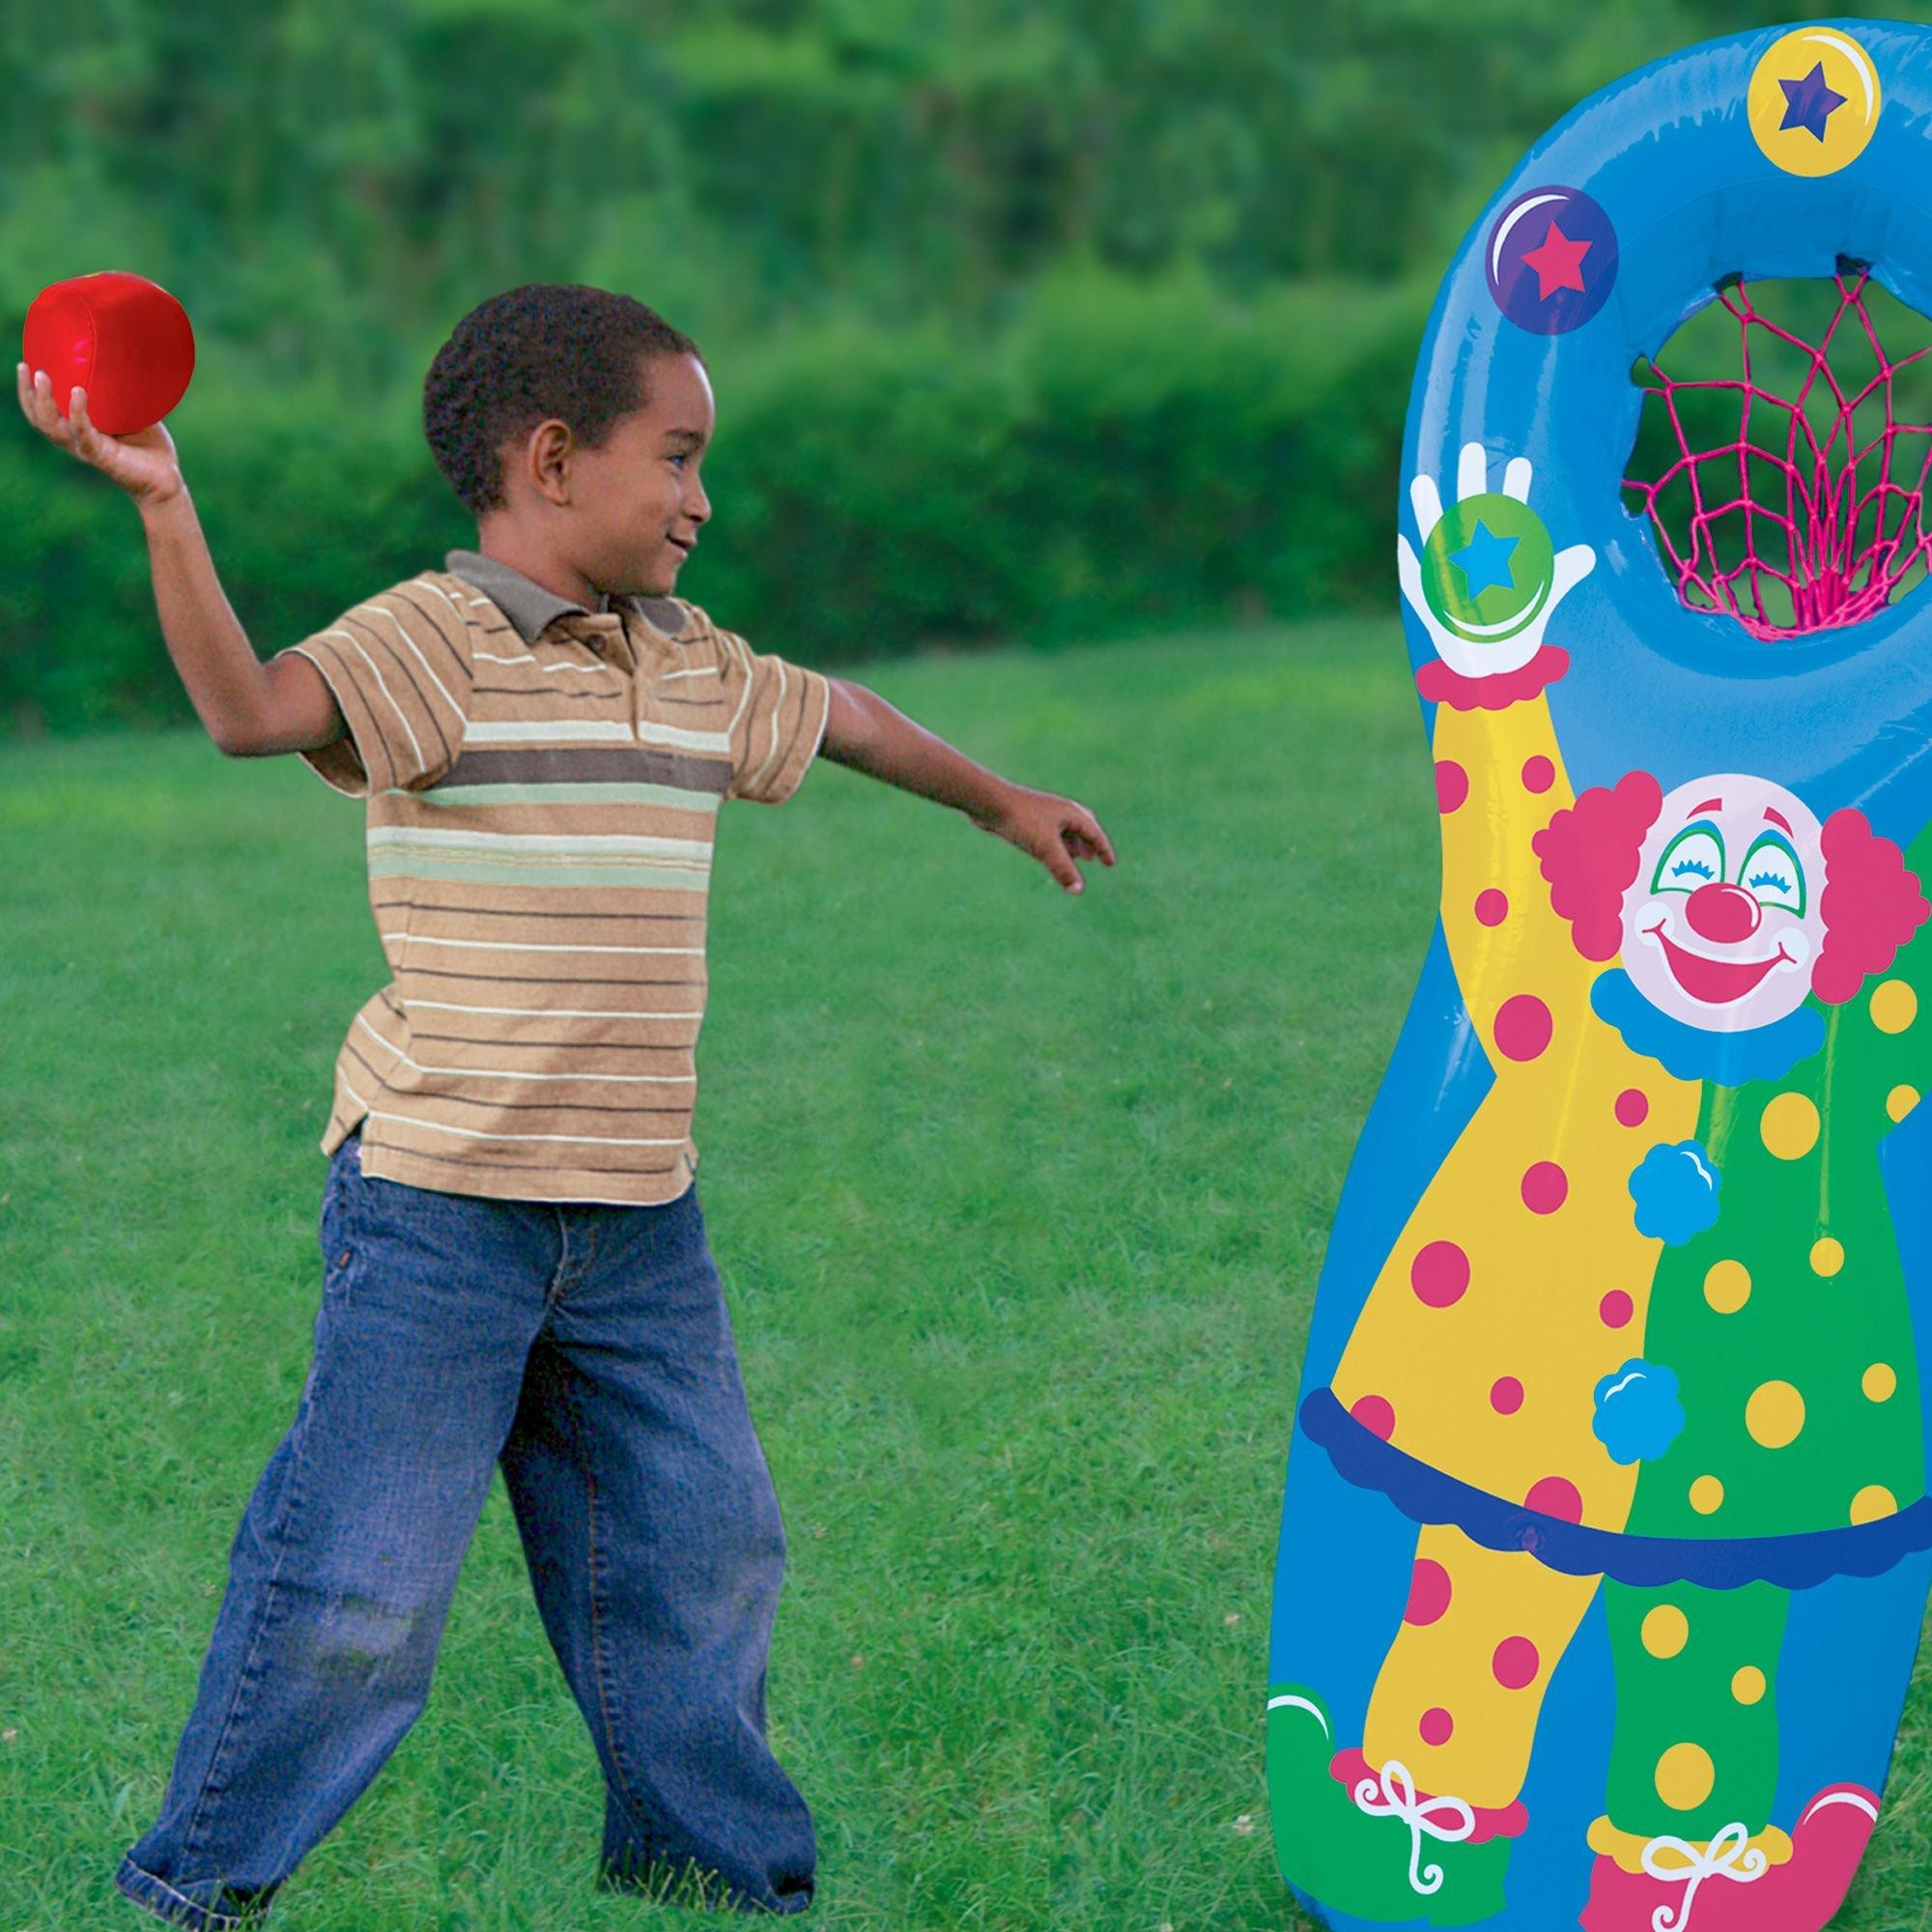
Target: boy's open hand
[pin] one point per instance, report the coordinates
(1054, 829)
(143, 464)
(863, 731)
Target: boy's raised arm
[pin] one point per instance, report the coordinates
(252, 709)
(249, 708)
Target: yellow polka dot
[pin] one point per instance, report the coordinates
(1790, 1125)
(1879, 1381)
(1873, 1501)
(1894, 1005)
(1900, 1101)
(1685, 1776)
(1827, 1256)
(1666, 1630)
(1707, 1494)
(1727, 1286)
(1774, 1414)
(1748, 1685)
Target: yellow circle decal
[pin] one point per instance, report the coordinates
(1873, 1501)
(1707, 1496)
(1727, 1286)
(1685, 1776)
(1774, 1414)
(1827, 1256)
(1813, 101)
(1666, 1630)
(1790, 1125)
(1900, 1101)
(1748, 1685)
(1894, 1005)
(1880, 1382)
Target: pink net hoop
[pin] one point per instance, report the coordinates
(1810, 510)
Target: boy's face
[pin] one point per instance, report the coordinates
(637, 502)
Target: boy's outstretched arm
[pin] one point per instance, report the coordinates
(864, 732)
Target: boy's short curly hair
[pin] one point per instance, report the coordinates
(547, 348)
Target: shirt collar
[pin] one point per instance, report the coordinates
(528, 605)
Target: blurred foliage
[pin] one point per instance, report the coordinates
(1027, 318)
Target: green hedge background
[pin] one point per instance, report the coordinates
(1028, 320)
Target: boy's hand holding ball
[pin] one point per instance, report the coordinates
(143, 464)
(107, 356)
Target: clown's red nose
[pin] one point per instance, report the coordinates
(1721, 913)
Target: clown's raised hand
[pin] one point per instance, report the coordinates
(1487, 580)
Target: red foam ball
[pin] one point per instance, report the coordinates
(121, 338)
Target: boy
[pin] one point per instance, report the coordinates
(514, 1264)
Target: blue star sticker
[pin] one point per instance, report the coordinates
(1809, 104)
(1484, 561)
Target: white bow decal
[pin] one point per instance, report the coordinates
(1392, 1795)
(1729, 1854)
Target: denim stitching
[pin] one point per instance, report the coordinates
(209, 1911)
(551, 1294)
(246, 1679)
(334, 1204)
(639, 1814)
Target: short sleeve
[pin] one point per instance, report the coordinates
(399, 666)
(777, 711)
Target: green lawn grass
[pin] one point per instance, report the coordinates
(1020, 1201)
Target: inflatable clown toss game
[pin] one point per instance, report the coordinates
(1605, 1545)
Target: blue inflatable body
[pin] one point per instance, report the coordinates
(1604, 1546)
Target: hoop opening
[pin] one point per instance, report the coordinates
(1787, 486)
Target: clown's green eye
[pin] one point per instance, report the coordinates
(1692, 859)
(1772, 875)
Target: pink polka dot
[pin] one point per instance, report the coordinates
(1615, 1309)
(1544, 1187)
(1523, 1027)
(1538, 774)
(1440, 1274)
(1436, 1727)
(1376, 1414)
(1515, 1663)
(1632, 1107)
(1452, 785)
(1492, 907)
(1428, 1592)
(1506, 1395)
(1558, 1496)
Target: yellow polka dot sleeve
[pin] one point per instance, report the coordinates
(1499, 779)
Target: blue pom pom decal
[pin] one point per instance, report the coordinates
(1675, 1189)
(1639, 1415)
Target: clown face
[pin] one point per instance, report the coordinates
(1724, 921)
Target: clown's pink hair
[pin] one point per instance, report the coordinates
(1589, 852)
(1871, 906)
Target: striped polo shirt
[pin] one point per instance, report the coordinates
(543, 784)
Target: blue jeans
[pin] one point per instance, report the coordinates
(587, 1348)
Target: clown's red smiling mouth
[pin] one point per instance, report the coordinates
(1715, 982)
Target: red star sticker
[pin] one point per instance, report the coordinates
(1558, 263)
